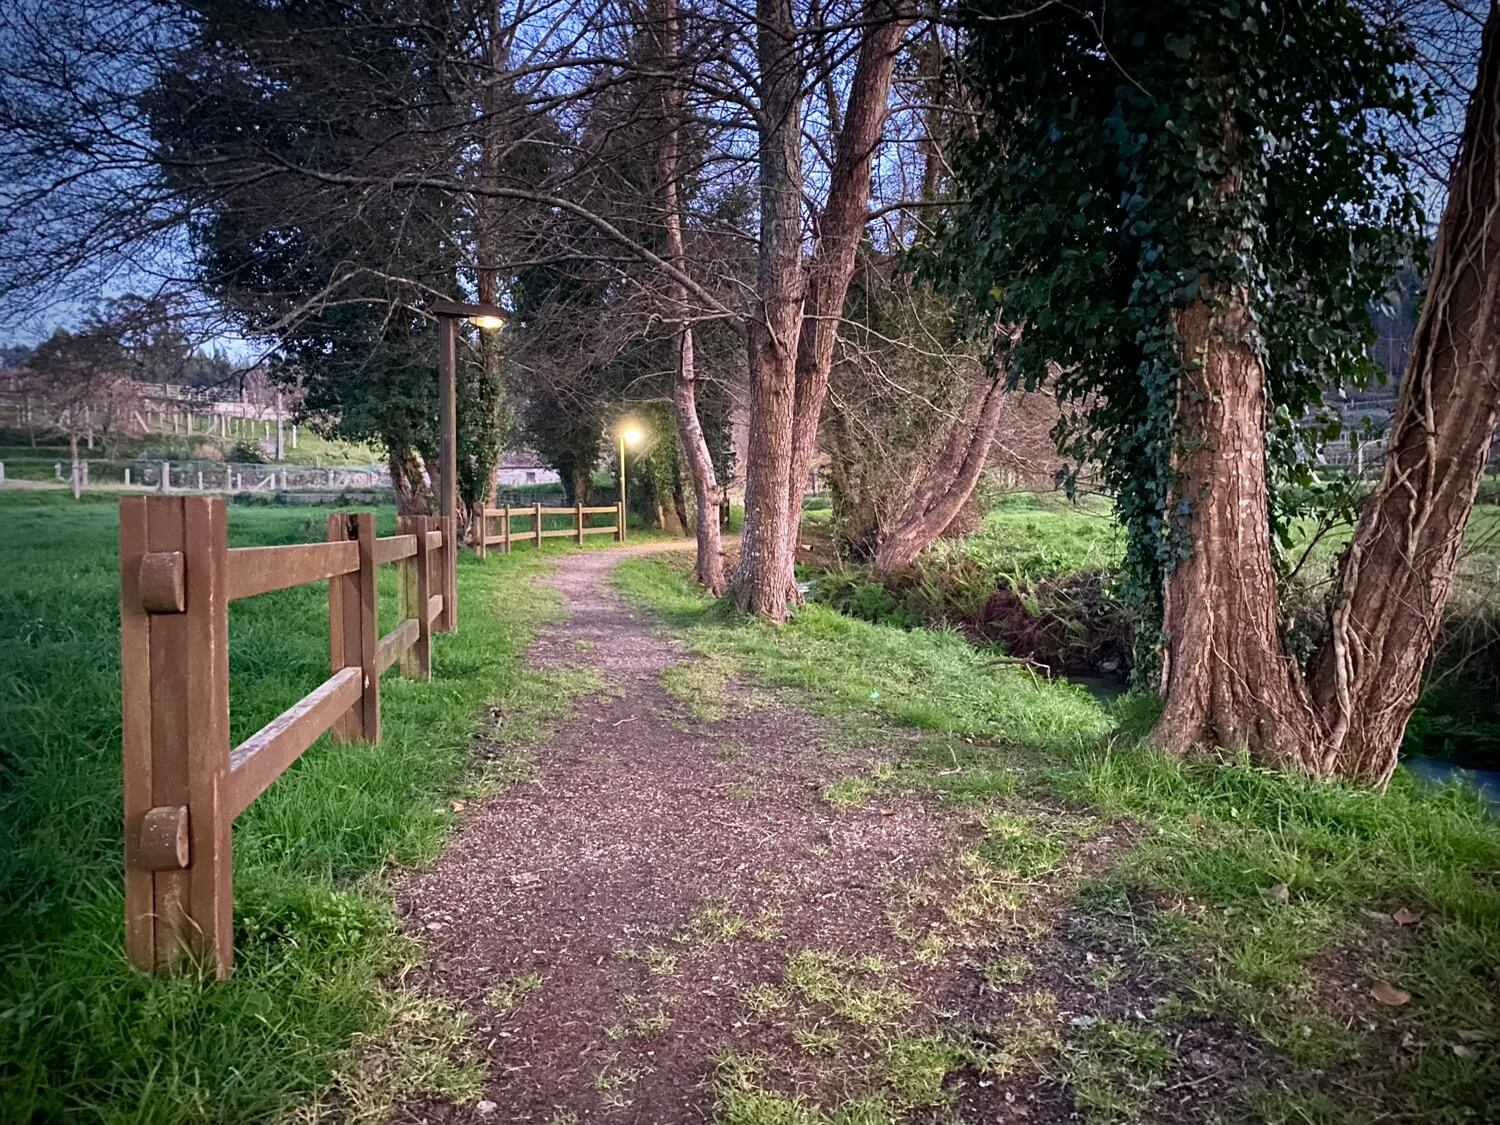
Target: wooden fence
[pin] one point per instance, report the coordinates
(535, 533)
(184, 784)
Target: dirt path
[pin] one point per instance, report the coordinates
(707, 902)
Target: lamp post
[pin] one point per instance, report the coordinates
(630, 434)
(487, 318)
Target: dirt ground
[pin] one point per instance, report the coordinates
(708, 904)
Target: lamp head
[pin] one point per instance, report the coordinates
(487, 323)
(631, 434)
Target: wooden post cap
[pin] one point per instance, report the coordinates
(164, 838)
(162, 582)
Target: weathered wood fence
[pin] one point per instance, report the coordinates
(184, 783)
(535, 533)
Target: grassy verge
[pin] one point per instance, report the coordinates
(1352, 937)
(84, 1037)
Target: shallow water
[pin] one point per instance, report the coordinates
(1439, 771)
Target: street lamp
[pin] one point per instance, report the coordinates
(630, 434)
(488, 318)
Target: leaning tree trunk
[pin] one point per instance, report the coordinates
(707, 495)
(840, 228)
(1397, 574)
(948, 482)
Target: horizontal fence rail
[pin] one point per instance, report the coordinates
(535, 518)
(184, 784)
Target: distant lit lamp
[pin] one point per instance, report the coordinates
(630, 434)
(487, 318)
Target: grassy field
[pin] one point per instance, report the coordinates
(1349, 940)
(82, 1036)
(24, 461)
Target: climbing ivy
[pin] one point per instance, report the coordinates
(1095, 174)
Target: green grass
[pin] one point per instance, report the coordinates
(1040, 535)
(933, 681)
(1270, 901)
(84, 1037)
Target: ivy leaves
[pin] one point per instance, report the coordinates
(1127, 162)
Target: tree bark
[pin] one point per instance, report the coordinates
(707, 495)
(840, 228)
(1397, 574)
(765, 569)
(1228, 680)
(950, 480)
(413, 497)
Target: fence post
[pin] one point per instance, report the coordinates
(174, 662)
(423, 648)
(619, 521)
(447, 579)
(416, 661)
(352, 627)
(537, 524)
(505, 530)
(480, 548)
(578, 523)
(166, 477)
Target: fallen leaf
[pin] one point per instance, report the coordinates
(458, 806)
(1194, 819)
(1405, 917)
(1279, 893)
(1388, 993)
(1471, 1036)
(1464, 1052)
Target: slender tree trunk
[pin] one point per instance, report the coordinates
(950, 480)
(840, 228)
(1396, 576)
(707, 494)
(765, 570)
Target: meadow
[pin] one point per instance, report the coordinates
(84, 1037)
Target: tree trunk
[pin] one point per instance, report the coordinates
(1228, 681)
(706, 492)
(1396, 576)
(1226, 678)
(950, 480)
(765, 570)
(839, 230)
(413, 497)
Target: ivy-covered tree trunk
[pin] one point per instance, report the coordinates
(1226, 678)
(1397, 574)
(413, 496)
(1228, 681)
